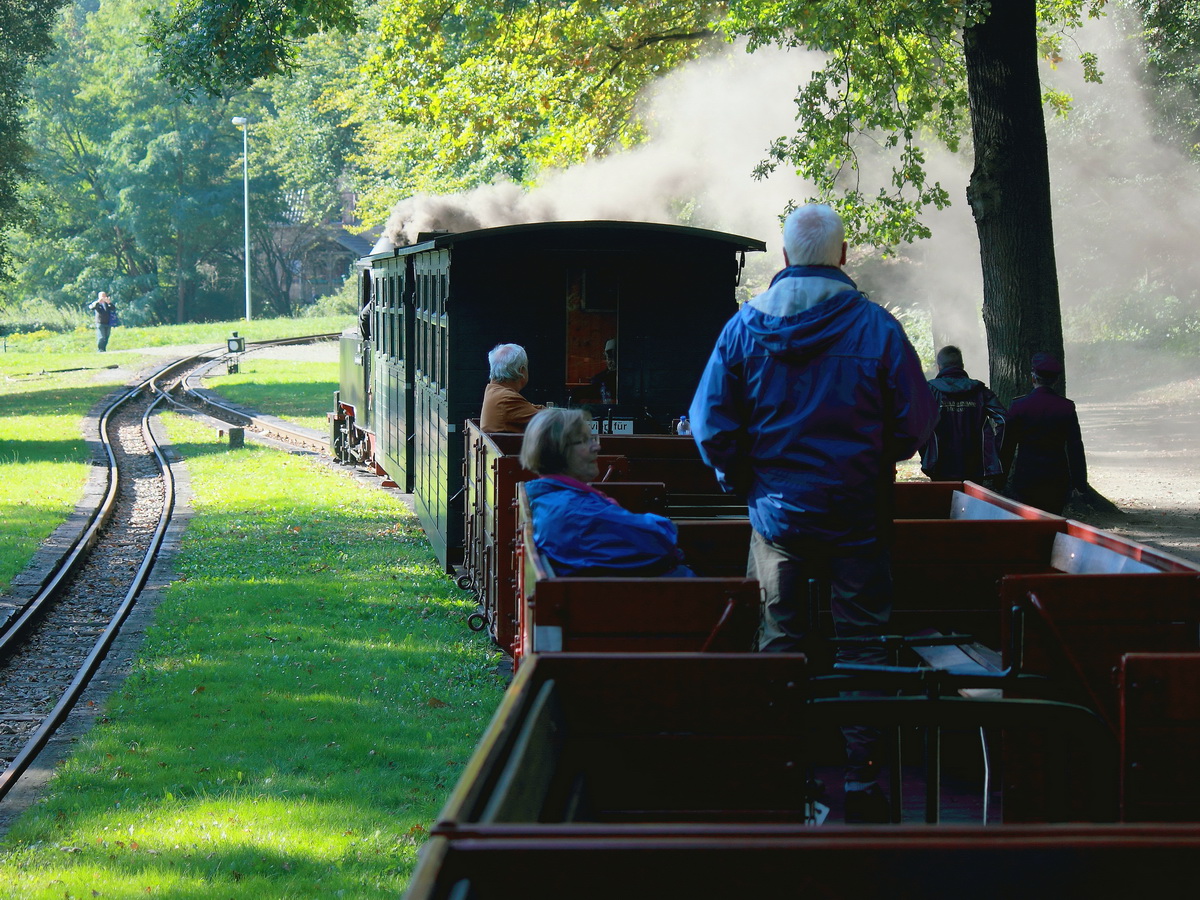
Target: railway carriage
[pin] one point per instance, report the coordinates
(1045, 677)
(654, 296)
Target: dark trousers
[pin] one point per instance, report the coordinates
(860, 600)
(102, 333)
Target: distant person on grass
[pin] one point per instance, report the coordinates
(106, 315)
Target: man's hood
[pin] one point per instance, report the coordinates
(954, 380)
(803, 312)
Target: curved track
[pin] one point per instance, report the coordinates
(51, 648)
(191, 392)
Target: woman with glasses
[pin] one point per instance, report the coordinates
(581, 530)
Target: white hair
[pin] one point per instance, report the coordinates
(813, 235)
(505, 362)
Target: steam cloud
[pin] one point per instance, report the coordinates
(1123, 202)
(709, 123)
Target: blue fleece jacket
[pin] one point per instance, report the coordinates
(809, 398)
(581, 531)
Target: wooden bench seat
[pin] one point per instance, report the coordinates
(624, 741)
(1160, 737)
(614, 614)
(648, 737)
(1033, 863)
(1107, 597)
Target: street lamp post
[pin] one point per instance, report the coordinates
(244, 124)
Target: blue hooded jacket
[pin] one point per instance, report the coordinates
(584, 533)
(810, 397)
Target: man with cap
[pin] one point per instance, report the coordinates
(1043, 449)
(605, 383)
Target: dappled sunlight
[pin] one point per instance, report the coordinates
(178, 846)
(304, 700)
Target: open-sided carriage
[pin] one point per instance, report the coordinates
(1044, 708)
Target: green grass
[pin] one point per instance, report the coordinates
(300, 709)
(43, 458)
(301, 392)
(82, 341)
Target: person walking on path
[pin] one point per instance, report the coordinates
(105, 312)
(1043, 448)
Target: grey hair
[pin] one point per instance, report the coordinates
(505, 362)
(549, 435)
(813, 235)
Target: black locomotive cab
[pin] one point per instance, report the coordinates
(616, 316)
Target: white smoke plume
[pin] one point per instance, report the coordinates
(710, 124)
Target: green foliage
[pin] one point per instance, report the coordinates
(1168, 31)
(1147, 312)
(223, 46)
(894, 79)
(25, 28)
(139, 194)
(343, 303)
(507, 87)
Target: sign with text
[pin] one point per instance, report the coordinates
(612, 426)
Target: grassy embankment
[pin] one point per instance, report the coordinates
(296, 716)
(43, 459)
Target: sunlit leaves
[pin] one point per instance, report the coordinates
(894, 80)
(507, 87)
(25, 29)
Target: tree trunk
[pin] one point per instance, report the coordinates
(1009, 195)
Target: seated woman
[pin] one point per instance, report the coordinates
(581, 530)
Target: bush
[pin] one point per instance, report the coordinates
(344, 302)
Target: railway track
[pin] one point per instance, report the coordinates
(191, 392)
(53, 645)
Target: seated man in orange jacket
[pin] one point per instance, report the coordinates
(504, 409)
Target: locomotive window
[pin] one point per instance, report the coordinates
(592, 300)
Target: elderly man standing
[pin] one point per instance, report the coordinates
(504, 409)
(810, 397)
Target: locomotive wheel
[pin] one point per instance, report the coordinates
(477, 621)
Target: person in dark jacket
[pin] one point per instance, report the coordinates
(810, 397)
(104, 312)
(970, 429)
(579, 529)
(1043, 448)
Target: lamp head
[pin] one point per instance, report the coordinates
(240, 121)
